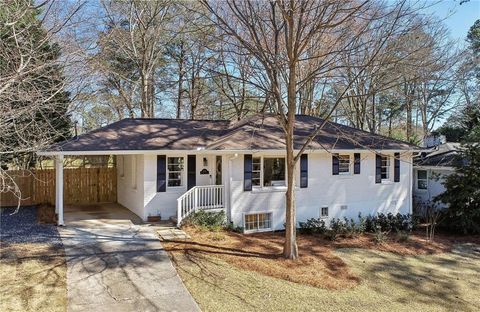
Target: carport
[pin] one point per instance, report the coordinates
(104, 212)
(88, 193)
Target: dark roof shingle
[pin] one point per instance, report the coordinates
(444, 155)
(260, 132)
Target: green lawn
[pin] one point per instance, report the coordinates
(388, 282)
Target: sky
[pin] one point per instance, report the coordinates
(458, 18)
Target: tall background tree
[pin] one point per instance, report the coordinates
(33, 101)
(294, 45)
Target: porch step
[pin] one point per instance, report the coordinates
(172, 234)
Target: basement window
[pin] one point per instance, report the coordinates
(258, 222)
(324, 212)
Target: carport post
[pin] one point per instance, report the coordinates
(59, 188)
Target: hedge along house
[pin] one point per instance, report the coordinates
(171, 167)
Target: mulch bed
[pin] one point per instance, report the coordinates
(23, 227)
(317, 266)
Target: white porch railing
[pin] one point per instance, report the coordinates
(200, 197)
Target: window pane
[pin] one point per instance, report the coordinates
(256, 178)
(264, 221)
(175, 167)
(422, 174)
(256, 171)
(385, 167)
(250, 222)
(175, 160)
(258, 221)
(422, 184)
(343, 163)
(273, 171)
(175, 171)
(324, 212)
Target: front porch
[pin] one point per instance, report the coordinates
(206, 197)
(145, 187)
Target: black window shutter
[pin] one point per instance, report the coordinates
(396, 172)
(247, 172)
(335, 164)
(191, 171)
(356, 163)
(378, 169)
(304, 171)
(161, 173)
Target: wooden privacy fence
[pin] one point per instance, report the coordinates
(80, 186)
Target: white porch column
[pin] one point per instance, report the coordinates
(59, 188)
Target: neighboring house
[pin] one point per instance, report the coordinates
(430, 169)
(171, 167)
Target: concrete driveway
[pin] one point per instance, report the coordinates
(114, 265)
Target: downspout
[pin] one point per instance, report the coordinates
(229, 188)
(411, 177)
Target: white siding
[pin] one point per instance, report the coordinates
(359, 192)
(434, 187)
(127, 195)
(164, 203)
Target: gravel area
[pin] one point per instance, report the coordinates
(22, 227)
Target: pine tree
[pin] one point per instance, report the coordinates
(35, 106)
(462, 192)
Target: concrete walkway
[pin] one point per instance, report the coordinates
(114, 265)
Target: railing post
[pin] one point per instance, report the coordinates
(179, 211)
(195, 199)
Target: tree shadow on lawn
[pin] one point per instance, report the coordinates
(443, 281)
(32, 260)
(317, 265)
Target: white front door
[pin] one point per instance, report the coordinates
(205, 170)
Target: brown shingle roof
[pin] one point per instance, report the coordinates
(255, 133)
(444, 155)
(265, 133)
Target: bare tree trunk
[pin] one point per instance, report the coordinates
(181, 61)
(409, 119)
(290, 250)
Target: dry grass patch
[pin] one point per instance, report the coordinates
(33, 278)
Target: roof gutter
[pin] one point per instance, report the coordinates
(209, 152)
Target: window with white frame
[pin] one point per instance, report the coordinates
(343, 164)
(273, 171)
(385, 168)
(175, 167)
(324, 212)
(268, 171)
(422, 179)
(258, 221)
(256, 171)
